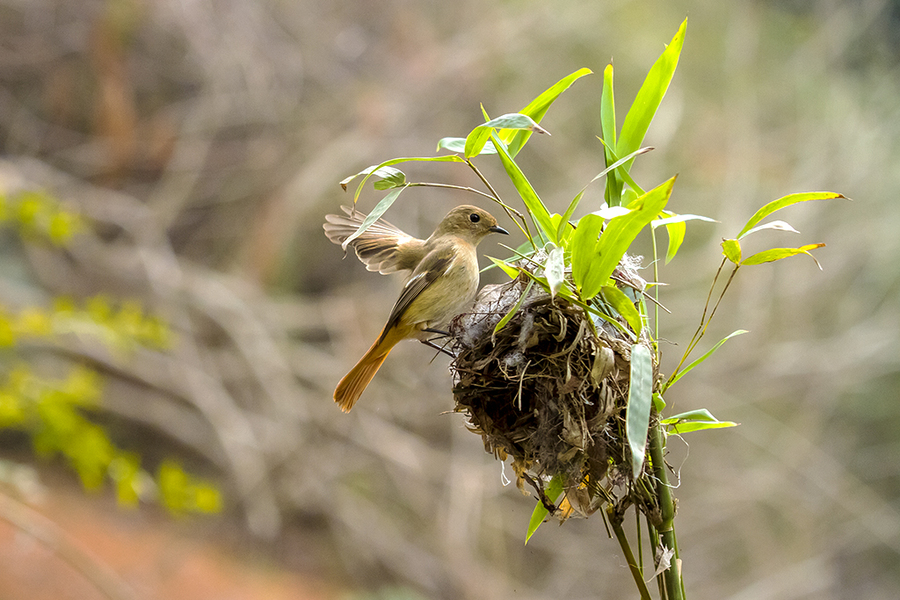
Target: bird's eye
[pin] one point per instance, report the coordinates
(474, 217)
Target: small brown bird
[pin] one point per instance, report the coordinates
(443, 282)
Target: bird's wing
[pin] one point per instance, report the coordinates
(432, 267)
(382, 247)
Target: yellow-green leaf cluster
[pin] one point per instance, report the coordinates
(39, 216)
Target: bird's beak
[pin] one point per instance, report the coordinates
(498, 229)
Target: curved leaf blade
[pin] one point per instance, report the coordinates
(784, 202)
(582, 246)
(621, 232)
(649, 97)
(623, 305)
(637, 413)
(537, 108)
(376, 213)
(553, 492)
(774, 254)
(532, 201)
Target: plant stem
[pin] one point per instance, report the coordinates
(666, 527)
(704, 320)
(510, 211)
(616, 521)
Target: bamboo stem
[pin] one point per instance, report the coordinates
(666, 527)
(616, 521)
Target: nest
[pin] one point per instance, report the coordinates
(548, 390)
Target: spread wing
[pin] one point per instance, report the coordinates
(382, 247)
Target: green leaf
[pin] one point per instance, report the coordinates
(649, 97)
(390, 178)
(774, 254)
(675, 218)
(555, 270)
(583, 249)
(637, 413)
(623, 305)
(373, 170)
(508, 269)
(694, 420)
(533, 203)
(784, 202)
(508, 316)
(456, 144)
(515, 121)
(478, 138)
(775, 225)
(732, 250)
(553, 492)
(537, 108)
(676, 228)
(618, 236)
(376, 213)
(708, 353)
(698, 426)
(608, 135)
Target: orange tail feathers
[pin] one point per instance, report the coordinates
(354, 383)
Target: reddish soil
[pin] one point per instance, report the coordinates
(155, 556)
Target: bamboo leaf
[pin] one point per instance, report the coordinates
(553, 491)
(533, 203)
(623, 305)
(390, 178)
(537, 108)
(512, 312)
(583, 248)
(476, 141)
(458, 145)
(784, 202)
(774, 254)
(619, 234)
(608, 135)
(480, 136)
(376, 213)
(776, 225)
(732, 250)
(637, 413)
(676, 231)
(694, 420)
(648, 98)
(690, 426)
(373, 170)
(708, 353)
(509, 270)
(676, 227)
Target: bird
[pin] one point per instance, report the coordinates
(442, 283)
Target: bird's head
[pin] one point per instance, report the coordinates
(469, 223)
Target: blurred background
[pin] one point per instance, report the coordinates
(204, 141)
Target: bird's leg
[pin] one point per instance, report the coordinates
(438, 348)
(439, 332)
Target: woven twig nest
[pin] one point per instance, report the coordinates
(548, 390)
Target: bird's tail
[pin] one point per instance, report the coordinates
(351, 387)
